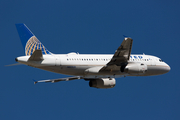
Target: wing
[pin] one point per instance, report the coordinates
(58, 79)
(121, 56)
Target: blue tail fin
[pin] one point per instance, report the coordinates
(29, 40)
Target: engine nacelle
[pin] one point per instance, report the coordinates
(135, 68)
(103, 83)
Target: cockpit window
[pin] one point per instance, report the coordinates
(160, 60)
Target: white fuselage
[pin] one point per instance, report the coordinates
(100, 70)
(88, 65)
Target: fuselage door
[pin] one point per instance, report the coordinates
(153, 62)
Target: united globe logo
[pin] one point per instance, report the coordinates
(34, 44)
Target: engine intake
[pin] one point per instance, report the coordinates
(102, 83)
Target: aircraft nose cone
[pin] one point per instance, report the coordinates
(166, 69)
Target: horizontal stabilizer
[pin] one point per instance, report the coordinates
(14, 64)
(59, 79)
(36, 56)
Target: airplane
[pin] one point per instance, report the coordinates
(99, 69)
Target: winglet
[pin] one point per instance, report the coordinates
(125, 36)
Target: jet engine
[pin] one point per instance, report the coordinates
(102, 83)
(135, 68)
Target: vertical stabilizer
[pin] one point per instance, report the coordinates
(29, 41)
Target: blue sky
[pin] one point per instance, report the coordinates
(90, 26)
